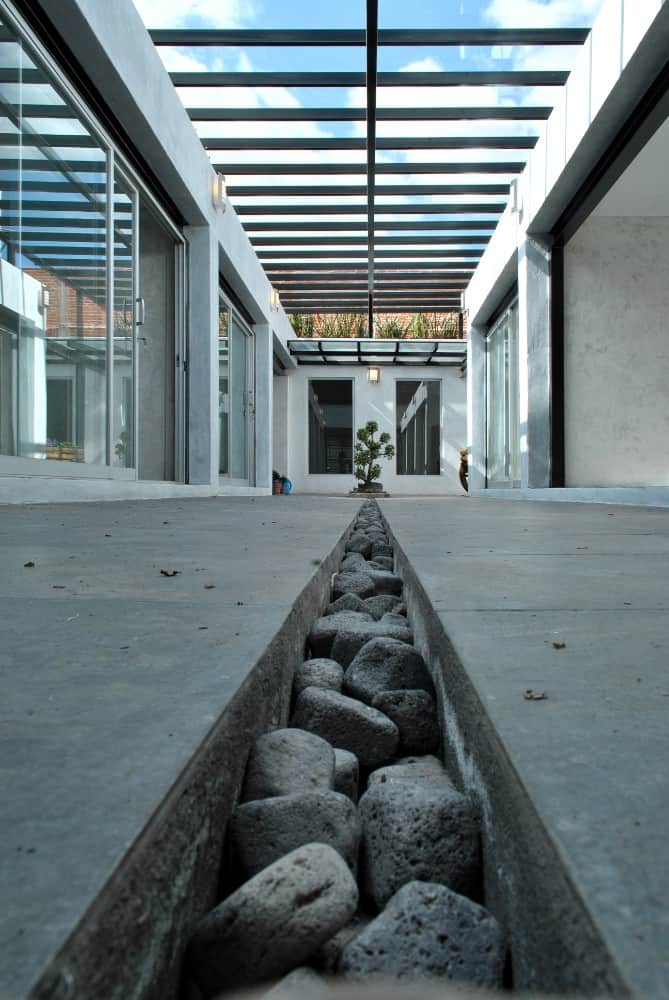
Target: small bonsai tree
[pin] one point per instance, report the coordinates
(368, 450)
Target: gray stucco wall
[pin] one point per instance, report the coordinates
(617, 353)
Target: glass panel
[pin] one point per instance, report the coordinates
(418, 431)
(502, 402)
(330, 416)
(156, 350)
(239, 401)
(123, 427)
(223, 390)
(53, 268)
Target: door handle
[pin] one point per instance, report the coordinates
(140, 312)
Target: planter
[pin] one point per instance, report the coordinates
(277, 487)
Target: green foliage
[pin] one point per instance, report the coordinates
(368, 449)
(434, 326)
(303, 324)
(389, 328)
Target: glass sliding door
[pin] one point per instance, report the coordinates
(418, 430)
(502, 401)
(236, 397)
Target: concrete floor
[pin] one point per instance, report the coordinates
(514, 581)
(113, 674)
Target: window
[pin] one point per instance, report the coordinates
(502, 402)
(330, 416)
(418, 415)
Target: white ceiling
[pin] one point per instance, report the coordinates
(643, 189)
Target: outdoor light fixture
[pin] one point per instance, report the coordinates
(274, 300)
(374, 374)
(44, 298)
(219, 192)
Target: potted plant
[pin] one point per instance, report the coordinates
(367, 451)
(277, 485)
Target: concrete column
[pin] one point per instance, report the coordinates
(476, 403)
(534, 354)
(202, 355)
(263, 402)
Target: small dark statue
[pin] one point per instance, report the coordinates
(367, 451)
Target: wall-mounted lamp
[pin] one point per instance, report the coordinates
(374, 374)
(219, 192)
(274, 301)
(44, 298)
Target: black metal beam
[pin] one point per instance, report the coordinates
(401, 142)
(359, 169)
(358, 191)
(59, 141)
(281, 226)
(412, 114)
(291, 37)
(358, 241)
(26, 163)
(452, 208)
(19, 207)
(462, 78)
(387, 266)
(298, 255)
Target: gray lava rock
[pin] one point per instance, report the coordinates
(401, 609)
(286, 759)
(324, 629)
(347, 773)
(392, 618)
(261, 832)
(425, 931)
(415, 715)
(352, 561)
(351, 639)
(321, 673)
(424, 832)
(417, 770)
(327, 957)
(348, 725)
(300, 984)
(348, 602)
(359, 542)
(384, 582)
(385, 664)
(273, 922)
(381, 548)
(354, 582)
(386, 563)
(381, 604)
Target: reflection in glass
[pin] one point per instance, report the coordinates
(330, 415)
(223, 390)
(502, 401)
(123, 425)
(53, 349)
(418, 412)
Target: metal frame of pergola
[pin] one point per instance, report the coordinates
(420, 262)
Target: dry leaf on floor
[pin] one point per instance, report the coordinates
(531, 695)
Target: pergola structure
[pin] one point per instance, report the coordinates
(336, 235)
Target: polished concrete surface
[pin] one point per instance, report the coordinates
(114, 674)
(570, 600)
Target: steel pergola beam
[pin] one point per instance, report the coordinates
(464, 113)
(290, 37)
(451, 208)
(348, 241)
(359, 169)
(359, 191)
(281, 226)
(399, 143)
(345, 81)
(267, 256)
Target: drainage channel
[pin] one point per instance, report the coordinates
(352, 852)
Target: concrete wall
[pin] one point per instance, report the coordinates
(617, 353)
(377, 402)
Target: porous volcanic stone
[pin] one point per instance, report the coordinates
(300, 984)
(384, 582)
(322, 672)
(359, 542)
(415, 715)
(351, 639)
(392, 618)
(426, 930)
(401, 609)
(417, 770)
(327, 957)
(381, 604)
(349, 602)
(347, 773)
(261, 832)
(421, 832)
(381, 548)
(286, 759)
(385, 563)
(385, 664)
(324, 629)
(351, 562)
(348, 725)
(354, 582)
(273, 922)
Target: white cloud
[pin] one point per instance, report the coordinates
(538, 14)
(178, 13)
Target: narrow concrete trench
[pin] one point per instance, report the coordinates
(352, 853)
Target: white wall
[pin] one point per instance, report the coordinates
(377, 402)
(617, 353)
